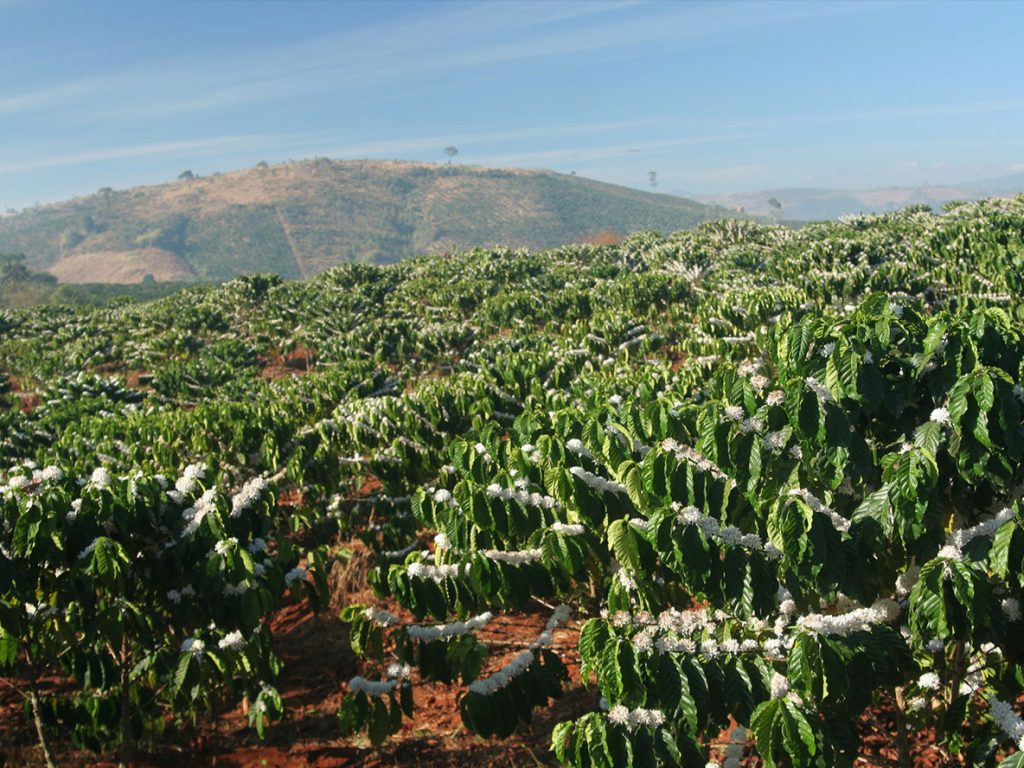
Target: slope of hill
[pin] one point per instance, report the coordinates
(822, 204)
(1012, 183)
(825, 204)
(299, 218)
(22, 287)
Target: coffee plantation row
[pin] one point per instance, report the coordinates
(773, 478)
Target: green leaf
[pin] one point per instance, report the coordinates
(380, 723)
(764, 726)
(181, 673)
(8, 649)
(797, 734)
(623, 545)
(610, 674)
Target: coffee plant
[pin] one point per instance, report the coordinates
(756, 481)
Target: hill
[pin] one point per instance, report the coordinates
(822, 204)
(299, 218)
(825, 204)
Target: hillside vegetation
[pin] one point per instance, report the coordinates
(741, 494)
(297, 219)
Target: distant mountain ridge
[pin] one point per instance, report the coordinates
(299, 218)
(800, 204)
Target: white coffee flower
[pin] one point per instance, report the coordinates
(1011, 609)
(929, 681)
(780, 686)
(231, 641)
(193, 645)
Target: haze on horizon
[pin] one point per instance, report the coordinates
(714, 97)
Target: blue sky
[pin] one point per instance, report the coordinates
(728, 96)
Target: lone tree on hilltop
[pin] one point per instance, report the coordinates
(450, 152)
(184, 175)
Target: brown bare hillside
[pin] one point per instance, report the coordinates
(121, 266)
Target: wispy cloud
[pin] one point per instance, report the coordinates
(218, 143)
(606, 151)
(885, 114)
(405, 145)
(466, 40)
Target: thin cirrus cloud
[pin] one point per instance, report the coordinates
(392, 147)
(887, 114)
(399, 52)
(607, 151)
(360, 59)
(271, 143)
(127, 152)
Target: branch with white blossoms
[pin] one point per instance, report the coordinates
(443, 496)
(437, 573)
(905, 581)
(632, 719)
(838, 521)
(194, 515)
(959, 539)
(513, 557)
(295, 575)
(398, 554)
(525, 498)
(824, 393)
(1011, 608)
(567, 529)
(224, 546)
(429, 633)
(397, 673)
(686, 453)
(929, 681)
(50, 474)
(530, 453)
(842, 625)
(232, 641)
(381, 616)
(232, 590)
(185, 485)
(41, 612)
(498, 680)
(193, 645)
(247, 496)
(597, 482)
(577, 447)
(100, 478)
(97, 542)
(175, 595)
(558, 617)
(1007, 720)
(692, 632)
(729, 535)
